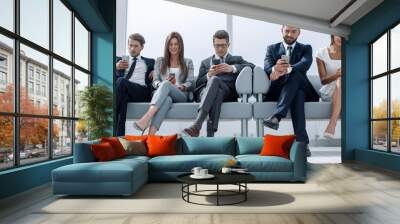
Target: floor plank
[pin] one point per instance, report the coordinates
(376, 189)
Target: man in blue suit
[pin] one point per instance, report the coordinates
(286, 64)
(134, 77)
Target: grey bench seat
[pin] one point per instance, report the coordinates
(242, 110)
(261, 83)
(229, 110)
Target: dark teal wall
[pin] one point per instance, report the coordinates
(99, 16)
(24, 178)
(356, 83)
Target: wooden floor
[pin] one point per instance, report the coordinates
(377, 188)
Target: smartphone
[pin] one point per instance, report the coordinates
(285, 57)
(125, 58)
(171, 75)
(216, 61)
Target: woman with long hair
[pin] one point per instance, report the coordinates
(173, 81)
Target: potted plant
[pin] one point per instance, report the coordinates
(96, 104)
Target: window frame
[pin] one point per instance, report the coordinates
(16, 114)
(388, 74)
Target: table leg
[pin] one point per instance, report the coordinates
(217, 194)
(245, 193)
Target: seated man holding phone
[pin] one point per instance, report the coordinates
(134, 77)
(286, 64)
(216, 84)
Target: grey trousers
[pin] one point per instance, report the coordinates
(165, 95)
(212, 97)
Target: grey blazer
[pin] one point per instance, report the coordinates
(158, 77)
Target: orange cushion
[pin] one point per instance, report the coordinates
(135, 137)
(103, 152)
(277, 145)
(161, 145)
(116, 145)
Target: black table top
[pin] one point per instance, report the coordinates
(220, 178)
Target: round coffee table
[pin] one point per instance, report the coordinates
(238, 179)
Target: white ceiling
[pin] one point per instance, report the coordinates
(313, 15)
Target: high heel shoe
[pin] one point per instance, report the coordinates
(137, 127)
(328, 135)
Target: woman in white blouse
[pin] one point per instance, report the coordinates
(173, 81)
(330, 73)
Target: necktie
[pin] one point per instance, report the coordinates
(222, 59)
(131, 69)
(289, 52)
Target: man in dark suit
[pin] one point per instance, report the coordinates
(286, 64)
(134, 77)
(216, 84)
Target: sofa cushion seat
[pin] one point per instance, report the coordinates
(185, 163)
(113, 171)
(257, 163)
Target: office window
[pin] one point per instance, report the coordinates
(63, 73)
(34, 144)
(198, 45)
(62, 29)
(35, 21)
(385, 96)
(253, 47)
(81, 81)
(6, 142)
(62, 138)
(40, 62)
(395, 47)
(7, 14)
(49, 135)
(6, 73)
(81, 45)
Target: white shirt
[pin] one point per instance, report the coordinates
(177, 72)
(331, 66)
(139, 74)
(234, 70)
(285, 45)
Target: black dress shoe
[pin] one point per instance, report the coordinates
(272, 122)
(191, 131)
(308, 152)
(210, 133)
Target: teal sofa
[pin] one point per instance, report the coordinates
(125, 176)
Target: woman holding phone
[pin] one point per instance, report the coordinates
(173, 81)
(330, 73)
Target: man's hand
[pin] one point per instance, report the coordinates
(121, 65)
(281, 66)
(213, 71)
(224, 68)
(276, 75)
(221, 68)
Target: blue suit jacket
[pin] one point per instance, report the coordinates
(301, 60)
(150, 67)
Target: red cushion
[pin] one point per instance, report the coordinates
(161, 145)
(116, 145)
(103, 152)
(277, 145)
(136, 137)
